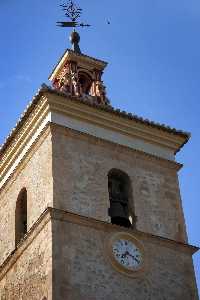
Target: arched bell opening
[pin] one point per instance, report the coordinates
(120, 196)
(85, 82)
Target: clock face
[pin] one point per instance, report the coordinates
(127, 254)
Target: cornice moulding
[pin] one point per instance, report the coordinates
(66, 216)
(24, 244)
(52, 214)
(11, 177)
(108, 109)
(24, 140)
(116, 123)
(51, 105)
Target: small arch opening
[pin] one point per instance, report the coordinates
(120, 193)
(85, 82)
(21, 216)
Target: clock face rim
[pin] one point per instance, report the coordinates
(132, 244)
(115, 263)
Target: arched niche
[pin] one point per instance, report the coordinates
(85, 82)
(121, 209)
(21, 216)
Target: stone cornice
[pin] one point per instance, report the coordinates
(24, 138)
(115, 123)
(184, 136)
(25, 242)
(48, 102)
(22, 164)
(122, 114)
(64, 216)
(29, 125)
(20, 123)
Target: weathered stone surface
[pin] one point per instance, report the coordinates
(68, 170)
(81, 165)
(30, 277)
(35, 174)
(82, 269)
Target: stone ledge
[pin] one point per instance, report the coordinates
(25, 242)
(64, 216)
(128, 116)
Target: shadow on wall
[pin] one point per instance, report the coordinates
(21, 216)
(121, 208)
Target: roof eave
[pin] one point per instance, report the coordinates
(44, 89)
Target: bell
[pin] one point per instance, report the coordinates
(119, 214)
(119, 211)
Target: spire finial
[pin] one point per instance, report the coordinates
(75, 39)
(73, 12)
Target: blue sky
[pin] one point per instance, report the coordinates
(153, 50)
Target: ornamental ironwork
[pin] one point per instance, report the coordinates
(72, 12)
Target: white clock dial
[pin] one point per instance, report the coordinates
(127, 254)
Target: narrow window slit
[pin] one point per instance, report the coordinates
(21, 216)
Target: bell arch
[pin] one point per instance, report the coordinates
(85, 82)
(121, 209)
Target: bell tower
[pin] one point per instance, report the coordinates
(90, 200)
(79, 75)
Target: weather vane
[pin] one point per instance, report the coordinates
(73, 12)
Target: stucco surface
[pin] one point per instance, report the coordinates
(35, 174)
(82, 269)
(80, 167)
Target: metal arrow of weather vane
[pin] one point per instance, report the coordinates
(73, 12)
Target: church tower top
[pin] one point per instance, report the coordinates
(76, 74)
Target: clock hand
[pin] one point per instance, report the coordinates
(137, 260)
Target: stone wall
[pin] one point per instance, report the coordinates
(79, 184)
(82, 270)
(35, 174)
(28, 274)
(80, 167)
(65, 256)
